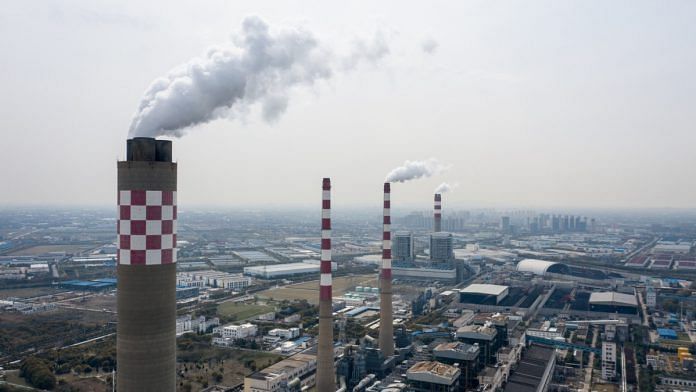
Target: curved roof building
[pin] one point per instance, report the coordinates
(542, 267)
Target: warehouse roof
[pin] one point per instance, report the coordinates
(612, 298)
(487, 289)
(538, 267)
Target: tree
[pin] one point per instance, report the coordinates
(37, 373)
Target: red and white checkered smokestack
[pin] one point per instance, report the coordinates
(326, 372)
(437, 213)
(386, 323)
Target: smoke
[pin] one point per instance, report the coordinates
(412, 170)
(258, 66)
(429, 46)
(445, 187)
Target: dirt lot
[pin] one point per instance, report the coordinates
(310, 290)
(30, 292)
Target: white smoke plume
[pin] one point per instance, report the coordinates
(429, 46)
(445, 187)
(259, 66)
(412, 170)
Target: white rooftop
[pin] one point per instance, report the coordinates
(489, 289)
(612, 298)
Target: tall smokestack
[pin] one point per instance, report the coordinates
(326, 372)
(386, 327)
(437, 217)
(146, 296)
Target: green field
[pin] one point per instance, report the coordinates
(242, 311)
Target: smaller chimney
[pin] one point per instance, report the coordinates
(326, 372)
(386, 321)
(437, 217)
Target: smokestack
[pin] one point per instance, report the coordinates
(386, 327)
(437, 217)
(146, 295)
(326, 372)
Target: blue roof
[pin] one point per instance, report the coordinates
(667, 333)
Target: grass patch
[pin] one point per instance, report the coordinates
(241, 311)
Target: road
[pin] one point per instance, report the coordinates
(590, 364)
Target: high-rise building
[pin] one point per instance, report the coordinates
(402, 246)
(505, 224)
(555, 223)
(146, 295)
(441, 247)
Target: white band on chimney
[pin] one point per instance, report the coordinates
(325, 280)
(326, 254)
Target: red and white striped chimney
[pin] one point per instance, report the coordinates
(326, 373)
(437, 216)
(386, 323)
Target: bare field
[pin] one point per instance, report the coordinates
(310, 290)
(41, 249)
(30, 292)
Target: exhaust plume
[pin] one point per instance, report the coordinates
(412, 170)
(259, 66)
(445, 187)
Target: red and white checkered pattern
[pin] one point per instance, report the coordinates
(325, 277)
(146, 227)
(386, 235)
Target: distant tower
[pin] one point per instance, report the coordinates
(437, 214)
(326, 371)
(386, 323)
(146, 295)
(505, 224)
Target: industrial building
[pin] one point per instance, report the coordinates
(429, 376)
(295, 372)
(441, 247)
(215, 279)
(443, 272)
(462, 355)
(485, 336)
(488, 294)
(612, 302)
(402, 246)
(534, 371)
(275, 271)
(541, 267)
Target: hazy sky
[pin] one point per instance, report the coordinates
(532, 103)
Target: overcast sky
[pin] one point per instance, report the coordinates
(532, 103)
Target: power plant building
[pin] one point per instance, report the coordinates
(146, 294)
(403, 246)
(433, 376)
(490, 294)
(441, 247)
(612, 302)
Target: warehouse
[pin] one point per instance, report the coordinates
(483, 294)
(274, 271)
(612, 302)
